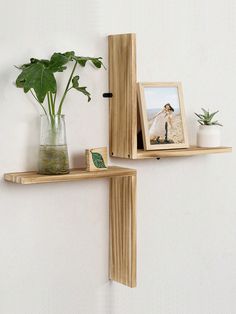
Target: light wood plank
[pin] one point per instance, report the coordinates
(123, 104)
(32, 177)
(184, 152)
(123, 230)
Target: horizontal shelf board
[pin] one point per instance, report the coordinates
(32, 177)
(191, 151)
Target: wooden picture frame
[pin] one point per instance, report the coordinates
(162, 115)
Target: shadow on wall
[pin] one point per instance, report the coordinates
(78, 160)
(5, 79)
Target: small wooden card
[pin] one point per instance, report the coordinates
(96, 159)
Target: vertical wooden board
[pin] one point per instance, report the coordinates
(133, 231)
(122, 263)
(123, 104)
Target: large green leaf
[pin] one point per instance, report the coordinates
(20, 81)
(39, 78)
(98, 160)
(69, 55)
(39, 74)
(57, 62)
(33, 61)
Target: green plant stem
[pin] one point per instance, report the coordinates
(39, 102)
(49, 106)
(54, 100)
(67, 89)
(52, 104)
(52, 118)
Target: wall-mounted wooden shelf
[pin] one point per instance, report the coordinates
(32, 177)
(122, 214)
(184, 152)
(124, 118)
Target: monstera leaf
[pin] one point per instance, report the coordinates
(38, 77)
(69, 55)
(98, 160)
(57, 62)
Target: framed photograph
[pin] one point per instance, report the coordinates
(162, 116)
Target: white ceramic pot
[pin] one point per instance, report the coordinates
(208, 136)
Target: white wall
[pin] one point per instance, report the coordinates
(54, 238)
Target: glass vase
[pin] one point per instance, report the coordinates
(53, 153)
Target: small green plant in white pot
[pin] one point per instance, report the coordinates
(209, 133)
(38, 78)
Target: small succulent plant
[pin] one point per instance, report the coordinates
(206, 117)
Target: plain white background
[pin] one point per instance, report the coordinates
(54, 238)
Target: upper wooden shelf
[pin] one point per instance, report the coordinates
(184, 152)
(32, 177)
(124, 119)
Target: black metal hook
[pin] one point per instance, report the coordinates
(107, 95)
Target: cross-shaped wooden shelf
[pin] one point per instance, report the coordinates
(122, 214)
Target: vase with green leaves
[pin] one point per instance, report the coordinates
(38, 78)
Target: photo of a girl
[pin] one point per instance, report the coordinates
(162, 115)
(160, 124)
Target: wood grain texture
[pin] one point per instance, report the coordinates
(122, 238)
(32, 177)
(123, 104)
(184, 152)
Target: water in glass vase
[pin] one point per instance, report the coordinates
(53, 153)
(53, 159)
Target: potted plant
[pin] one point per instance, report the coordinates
(209, 134)
(38, 78)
